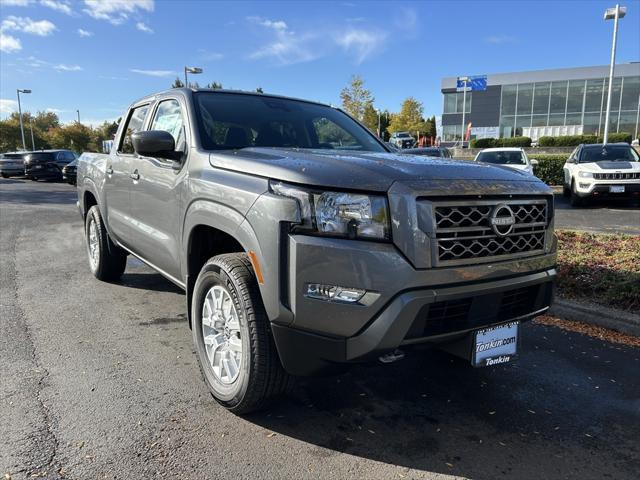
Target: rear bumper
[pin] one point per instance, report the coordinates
(11, 170)
(42, 171)
(434, 315)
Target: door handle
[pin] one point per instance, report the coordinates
(135, 175)
(109, 170)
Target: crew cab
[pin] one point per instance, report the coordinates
(304, 244)
(402, 139)
(602, 170)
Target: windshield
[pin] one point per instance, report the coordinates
(402, 134)
(502, 158)
(609, 153)
(229, 121)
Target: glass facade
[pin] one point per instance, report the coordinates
(454, 102)
(570, 103)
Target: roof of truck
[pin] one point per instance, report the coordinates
(186, 91)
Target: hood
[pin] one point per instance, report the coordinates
(355, 170)
(607, 166)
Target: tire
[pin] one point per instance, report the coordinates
(259, 378)
(576, 200)
(566, 191)
(106, 260)
(4, 175)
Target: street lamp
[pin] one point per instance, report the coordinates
(379, 132)
(26, 90)
(78, 112)
(612, 14)
(465, 81)
(194, 70)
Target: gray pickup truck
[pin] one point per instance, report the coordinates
(304, 244)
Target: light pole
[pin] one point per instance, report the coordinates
(78, 112)
(194, 70)
(26, 90)
(609, 14)
(379, 132)
(465, 81)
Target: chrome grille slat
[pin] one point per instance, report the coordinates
(464, 233)
(617, 176)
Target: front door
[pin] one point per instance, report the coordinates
(156, 195)
(118, 181)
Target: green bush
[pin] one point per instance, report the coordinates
(514, 142)
(500, 142)
(483, 143)
(549, 168)
(575, 140)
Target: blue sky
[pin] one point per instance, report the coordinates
(99, 55)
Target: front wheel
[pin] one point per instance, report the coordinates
(106, 260)
(233, 342)
(576, 200)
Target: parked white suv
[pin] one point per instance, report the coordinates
(596, 170)
(515, 158)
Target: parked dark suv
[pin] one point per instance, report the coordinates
(47, 164)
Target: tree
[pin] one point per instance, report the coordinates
(409, 119)
(370, 118)
(259, 90)
(177, 83)
(74, 136)
(431, 127)
(356, 99)
(215, 85)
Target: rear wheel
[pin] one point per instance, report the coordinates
(233, 342)
(106, 260)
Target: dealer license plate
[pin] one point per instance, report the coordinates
(495, 345)
(616, 189)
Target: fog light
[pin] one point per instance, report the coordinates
(334, 293)
(585, 185)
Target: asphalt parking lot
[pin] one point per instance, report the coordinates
(100, 381)
(601, 216)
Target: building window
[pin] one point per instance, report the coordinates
(451, 133)
(541, 99)
(454, 102)
(575, 97)
(525, 99)
(509, 94)
(507, 124)
(558, 102)
(630, 93)
(593, 97)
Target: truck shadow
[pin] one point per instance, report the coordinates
(433, 412)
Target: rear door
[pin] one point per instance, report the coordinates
(118, 178)
(157, 193)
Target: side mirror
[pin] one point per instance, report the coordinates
(156, 143)
(534, 162)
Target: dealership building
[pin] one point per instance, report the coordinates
(565, 101)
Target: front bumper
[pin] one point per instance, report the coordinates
(420, 316)
(600, 188)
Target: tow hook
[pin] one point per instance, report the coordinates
(391, 357)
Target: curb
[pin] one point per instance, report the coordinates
(585, 312)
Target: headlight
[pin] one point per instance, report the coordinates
(585, 174)
(341, 214)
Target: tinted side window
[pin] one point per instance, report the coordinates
(134, 124)
(169, 118)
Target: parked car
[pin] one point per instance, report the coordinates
(441, 152)
(47, 164)
(511, 157)
(69, 172)
(303, 244)
(598, 170)
(12, 164)
(402, 139)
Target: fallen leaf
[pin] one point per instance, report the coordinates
(272, 434)
(450, 465)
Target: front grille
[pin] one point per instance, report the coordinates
(617, 176)
(477, 231)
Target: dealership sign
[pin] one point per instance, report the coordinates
(475, 83)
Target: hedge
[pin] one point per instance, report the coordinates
(549, 168)
(500, 142)
(575, 140)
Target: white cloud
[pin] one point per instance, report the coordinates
(265, 22)
(287, 47)
(143, 27)
(499, 39)
(210, 56)
(361, 43)
(61, 67)
(8, 106)
(57, 111)
(41, 28)
(60, 6)
(116, 11)
(9, 44)
(84, 33)
(154, 73)
(15, 3)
